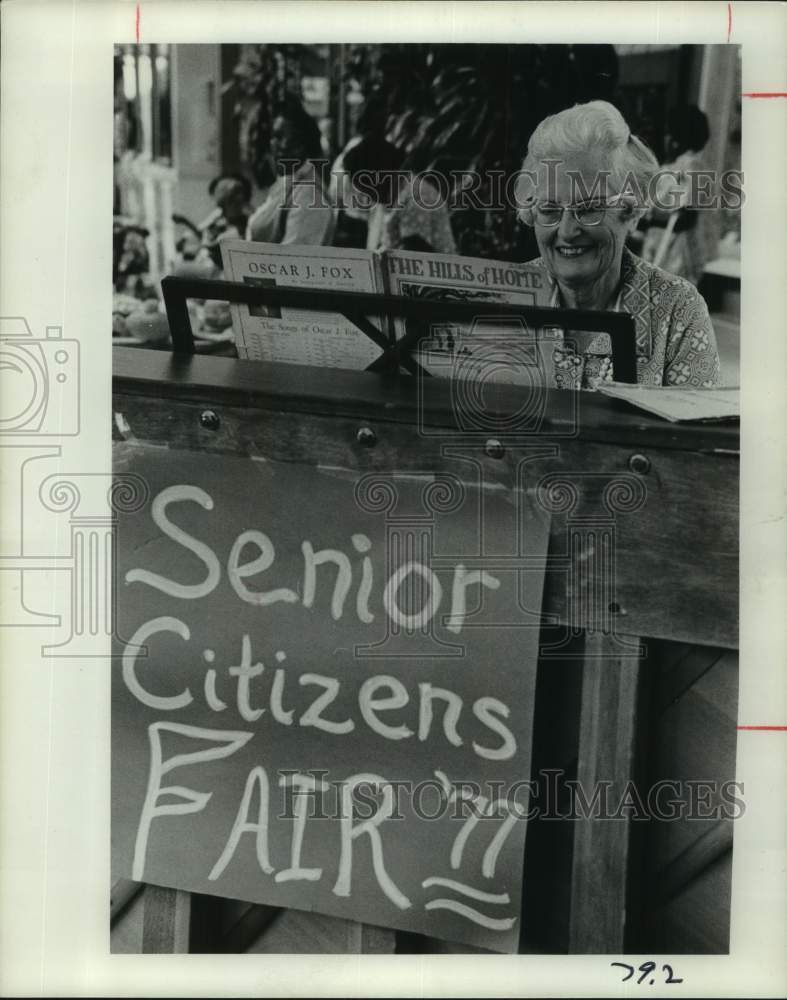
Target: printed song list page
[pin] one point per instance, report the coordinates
(301, 336)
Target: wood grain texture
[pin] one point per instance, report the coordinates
(304, 933)
(675, 560)
(302, 389)
(372, 940)
(700, 854)
(125, 935)
(165, 921)
(697, 919)
(694, 742)
(249, 928)
(681, 666)
(610, 695)
(686, 858)
(123, 892)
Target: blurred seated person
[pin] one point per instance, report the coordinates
(352, 216)
(674, 239)
(228, 220)
(406, 212)
(232, 194)
(131, 259)
(137, 315)
(297, 209)
(575, 193)
(200, 256)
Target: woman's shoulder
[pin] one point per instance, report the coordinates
(676, 312)
(636, 267)
(662, 285)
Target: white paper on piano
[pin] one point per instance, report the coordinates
(677, 404)
(301, 336)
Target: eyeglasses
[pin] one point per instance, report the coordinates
(586, 216)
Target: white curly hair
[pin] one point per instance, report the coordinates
(597, 127)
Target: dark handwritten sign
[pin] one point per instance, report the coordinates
(323, 689)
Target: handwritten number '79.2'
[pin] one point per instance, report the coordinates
(645, 970)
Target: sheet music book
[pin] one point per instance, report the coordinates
(487, 348)
(676, 404)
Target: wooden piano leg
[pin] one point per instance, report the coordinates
(607, 739)
(166, 920)
(367, 939)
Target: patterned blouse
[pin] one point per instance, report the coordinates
(675, 344)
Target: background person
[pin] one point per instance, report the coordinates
(675, 240)
(582, 247)
(297, 209)
(352, 216)
(231, 194)
(406, 211)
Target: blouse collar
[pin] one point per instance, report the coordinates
(633, 297)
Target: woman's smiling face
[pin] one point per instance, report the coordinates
(581, 257)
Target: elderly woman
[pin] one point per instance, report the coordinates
(583, 188)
